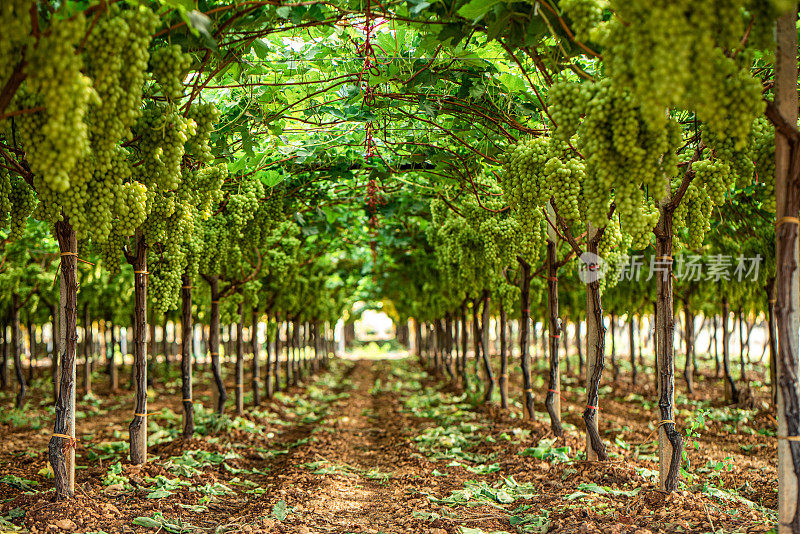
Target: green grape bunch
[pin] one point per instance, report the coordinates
(169, 64)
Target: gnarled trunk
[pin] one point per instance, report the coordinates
(87, 349)
(524, 323)
(138, 426)
(553, 400)
(17, 352)
(731, 391)
(487, 367)
(670, 443)
(688, 318)
(595, 360)
(186, 356)
(503, 382)
(214, 344)
(61, 448)
(632, 347)
(240, 360)
(254, 346)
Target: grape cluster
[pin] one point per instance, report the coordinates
(204, 187)
(205, 116)
(566, 180)
(622, 148)
(5, 197)
(22, 201)
(111, 252)
(567, 103)
(169, 65)
(761, 150)
(694, 213)
(524, 184)
(116, 54)
(716, 176)
(585, 15)
(163, 133)
(613, 249)
(242, 206)
(676, 55)
(15, 20)
(56, 137)
(132, 207)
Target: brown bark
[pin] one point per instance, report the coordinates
(448, 347)
(269, 384)
(503, 382)
(54, 355)
(186, 356)
(3, 338)
(688, 318)
(716, 351)
(165, 343)
(476, 335)
(525, 363)
(632, 347)
(553, 399)
(464, 341)
(87, 349)
(138, 426)
(276, 365)
(254, 346)
(772, 337)
(731, 391)
(487, 367)
(579, 346)
(16, 351)
(612, 330)
(61, 450)
(670, 443)
(31, 349)
(214, 345)
(742, 370)
(787, 196)
(240, 360)
(595, 361)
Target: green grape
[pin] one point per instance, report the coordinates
(761, 150)
(5, 198)
(567, 103)
(716, 176)
(205, 116)
(163, 132)
(22, 201)
(57, 137)
(676, 55)
(169, 64)
(584, 15)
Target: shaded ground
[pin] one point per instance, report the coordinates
(380, 446)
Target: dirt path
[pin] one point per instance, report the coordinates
(364, 475)
(374, 446)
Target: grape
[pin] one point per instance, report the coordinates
(761, 150)
(716, 176)
(676, 55)
(205, 116)
(584, 15)
(169, 65)
(163, 133)
(22, 201)
(57, 137)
